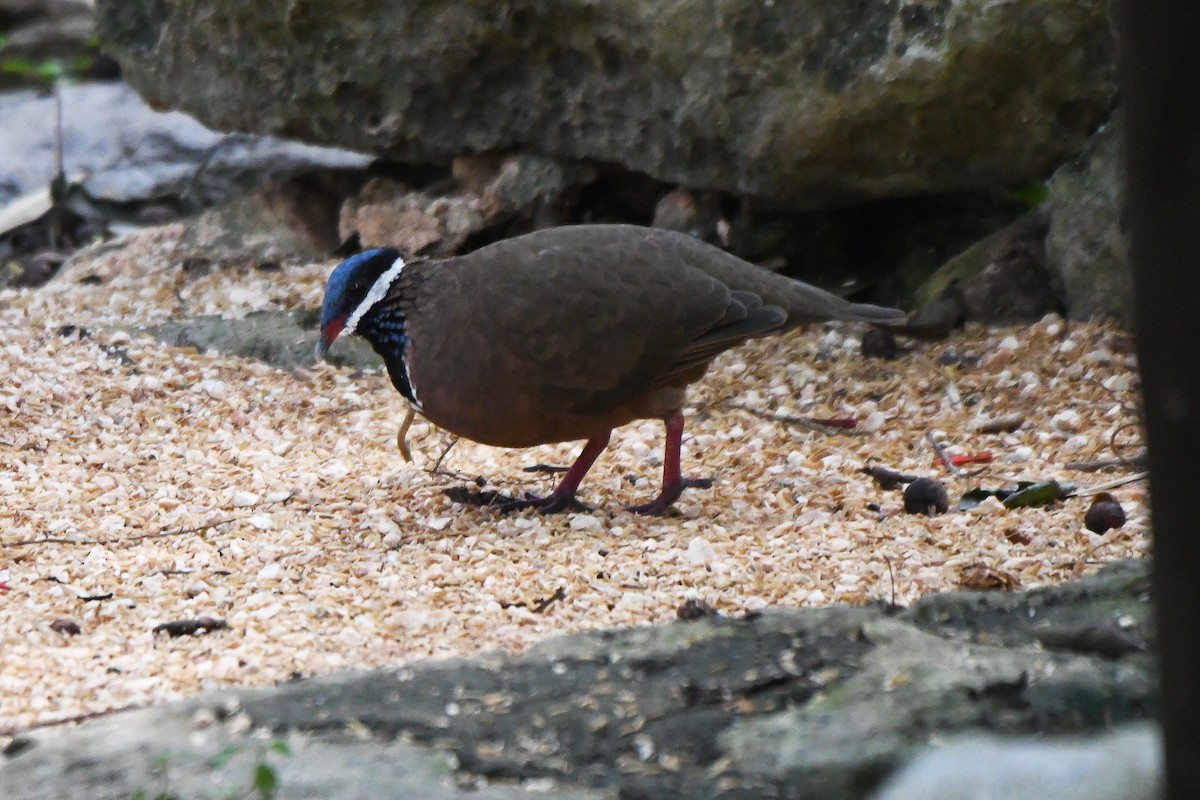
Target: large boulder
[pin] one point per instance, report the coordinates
(1087, 247)
(119, 151)
(821, 702)
(808, 103)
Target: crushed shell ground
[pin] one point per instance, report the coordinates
(144, 484)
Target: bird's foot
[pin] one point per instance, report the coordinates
(669, 494)
(553, 503)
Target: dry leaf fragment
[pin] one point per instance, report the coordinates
(1017, 536)
(694, 608)
(981, 577)
(190, 627)
(66, 626)
(1005, 424)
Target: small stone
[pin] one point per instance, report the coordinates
(1068, 420)
(754, 604)
(65, 626)
(1020, 455)
(204, 718)
(269, 573)
(244, 499)
(699, 551)
(949, 357)
(584, 522)
(261, 522)
(879, 343)
(695, 608)
(989, 505)
(1116, 383)
(874, 422)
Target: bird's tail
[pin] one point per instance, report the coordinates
(865, 312)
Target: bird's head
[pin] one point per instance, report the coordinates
(357, 284)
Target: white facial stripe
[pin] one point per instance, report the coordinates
(378, 290)
(416, 401)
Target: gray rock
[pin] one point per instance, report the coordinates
(787, 703)
(911, 683)
(124, 152)
(283, 339)
(806, 103)
(1001, 278)
(191, 751)
(1126, 765)
(283, 221)
(1088, 244)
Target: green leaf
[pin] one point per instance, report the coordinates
(1027, 493)
(280, 746)
(265, 780)
(49, 70)
(160, 763)
(1038, 494)
(16, 66)
(224, 754)
(1031, 194)
(976, 496)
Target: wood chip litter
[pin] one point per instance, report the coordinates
(145, 484)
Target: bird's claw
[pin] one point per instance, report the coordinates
(552, 503)
(669, 494)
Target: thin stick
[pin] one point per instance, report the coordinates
(436, 469)
(945, 459)
(71, 720)
(1114, 483)
(892, 578)
(123, 539)
(787, 419)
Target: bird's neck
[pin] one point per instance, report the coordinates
(384, 328)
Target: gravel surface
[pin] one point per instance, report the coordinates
(145, 485)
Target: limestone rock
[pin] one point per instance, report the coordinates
(808, 104)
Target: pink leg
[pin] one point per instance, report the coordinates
(563, 497)
(673, 481)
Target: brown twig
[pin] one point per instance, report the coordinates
(945, 459)
(436, 469)
(51, 723)
(892, 578)
(1104, 487)
(1116, 448)
(787, 419)
(559, 594)
(122, 539)
(1102, 464)
(139, 537)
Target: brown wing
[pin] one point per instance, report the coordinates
(561, 324)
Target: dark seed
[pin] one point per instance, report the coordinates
(926, 496)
